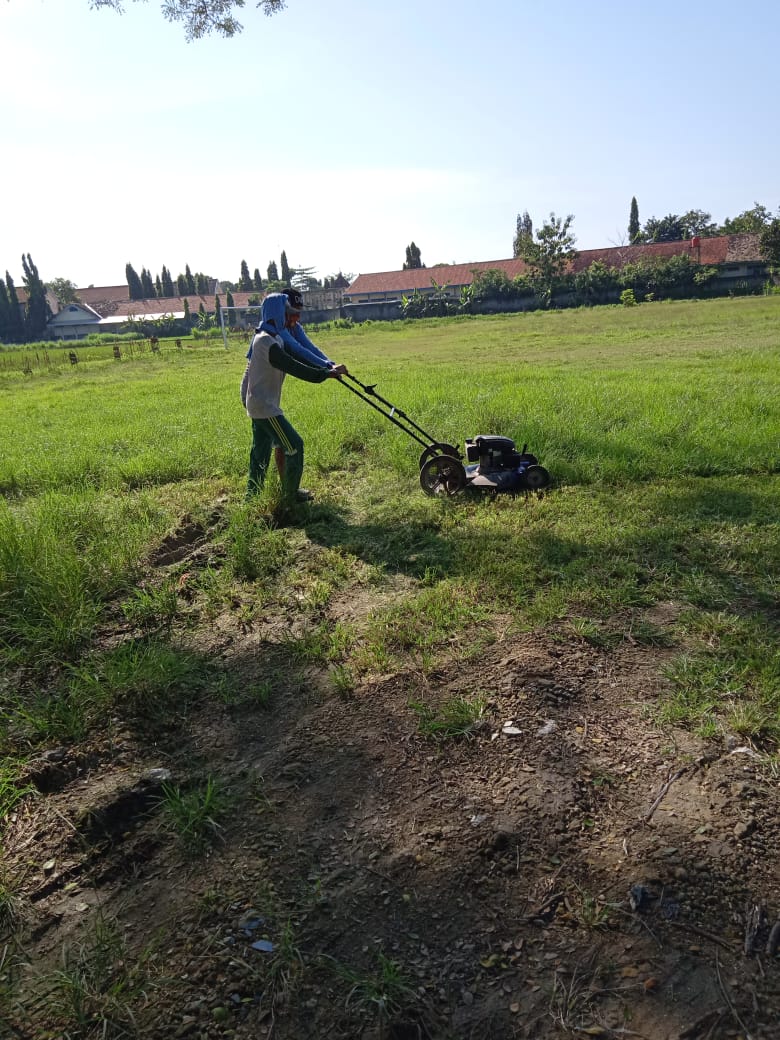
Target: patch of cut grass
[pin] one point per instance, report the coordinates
(457, 717)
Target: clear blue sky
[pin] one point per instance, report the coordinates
(341, 131)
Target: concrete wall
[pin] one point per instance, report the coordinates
(389, 310)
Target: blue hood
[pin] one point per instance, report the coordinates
(272, 316)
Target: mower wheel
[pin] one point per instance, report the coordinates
(529, 459)
(536, 478)
(442, 475)
(438, 449)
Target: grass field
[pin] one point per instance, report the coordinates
(126, 544)
(660, 425)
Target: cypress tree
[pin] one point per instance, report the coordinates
(147, 285)
(257, 281)
(38, 312)
(285, 267)
(633, 222)
(245, 281)
(187, 318)
(201, 284)
(229, 299)
(167, 282)
(273, 273)
(15, 319)
(158, 287)
(413, 258)
(5, 311)
(133, 283)
(190, 280)
(217, 311)
(181, 285)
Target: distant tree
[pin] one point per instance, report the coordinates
(257, 281)
(549, 255)
(524, 230)
(229, 302)
(201, 17)
(147, 285)
(698, 223)
(133, 283)
(38, 311)
(64, 289)
(303, 278)
(201, 283)
(273, 272)
(217, 311)
(755, 220)
(413, 258)
(340, 281)
(284, 267)
(190, 280)
(769, 242)
(187, 316)
(5, 311)
(245, 279)
(182, 288)
(167, 282)
(15, 332)
(158, 288)
(633, 222)
(668, 229)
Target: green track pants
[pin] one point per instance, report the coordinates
(266, 434)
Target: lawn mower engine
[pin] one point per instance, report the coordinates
(497, 465)
(494, 466)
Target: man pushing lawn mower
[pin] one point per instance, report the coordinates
(280, 347)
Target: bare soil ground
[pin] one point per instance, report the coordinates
(587, 875)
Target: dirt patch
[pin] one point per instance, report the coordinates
(569, 870)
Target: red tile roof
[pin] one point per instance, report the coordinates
(724, 249)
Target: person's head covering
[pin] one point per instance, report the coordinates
(273, 314)
(294, 297)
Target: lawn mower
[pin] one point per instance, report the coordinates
(494, 466)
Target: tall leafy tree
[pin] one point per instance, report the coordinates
(201, 283)
(549, 255)
(133, 283)
(158, 288)
(413, 258)
(285, 268)
(257, 281)
(697, 222)
(634, 230)
(202, 17)
(181, 285)
(670, 228)
(64, 289)
(38, 311)
(245, 280)
(190, 279)
(273, 272)
(524, 230)
(217, 311)
(769, 242)
(187, 315)
(229, 302)
(755, 220)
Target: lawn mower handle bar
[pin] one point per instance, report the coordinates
(370, 391)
